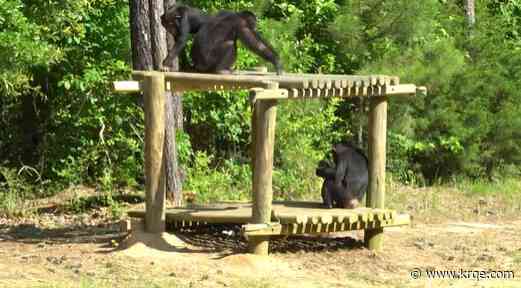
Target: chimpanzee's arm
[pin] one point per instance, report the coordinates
(181, 37)
(255, 43)
(328, 173)
(341, 170)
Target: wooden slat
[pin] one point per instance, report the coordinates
(310, 228)
(126, 86)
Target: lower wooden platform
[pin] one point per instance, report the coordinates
(288, 218)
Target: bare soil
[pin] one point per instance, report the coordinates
(53, 248)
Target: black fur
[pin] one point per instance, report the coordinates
(214, 47)
(346, 183)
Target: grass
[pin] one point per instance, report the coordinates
(466, 199)
(509, 187)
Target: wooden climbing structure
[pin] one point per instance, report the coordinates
(263, 217)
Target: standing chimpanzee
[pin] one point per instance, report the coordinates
(345, 184)
(214, 48)
(180, 21)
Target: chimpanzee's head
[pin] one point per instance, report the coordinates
(171, 20)
(250, 18)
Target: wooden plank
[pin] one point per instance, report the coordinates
(126, 86)
(287, 212)
(209, 216)
(154, 88)
(251, 79)
(264, 229)
(403, 89)
(265, 112)
(422, 90)
(272, 75)
(267, 94)
(377, 149)
(198, 81)
(400, 220)
(357, 85)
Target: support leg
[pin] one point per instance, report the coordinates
(264, 113)
(154, 158)
(377, 142)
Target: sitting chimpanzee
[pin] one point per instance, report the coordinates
(326, 171)
(345, 184)
(214, 48)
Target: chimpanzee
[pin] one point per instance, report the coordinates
(180, 21)
(345, 184)
(214, 48)
(327, 172)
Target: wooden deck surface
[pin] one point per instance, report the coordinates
(295, 217)
(298, 86)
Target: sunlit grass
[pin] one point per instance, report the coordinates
(465, 199)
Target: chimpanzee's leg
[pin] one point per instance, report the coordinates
(327, 193)
(225, 57)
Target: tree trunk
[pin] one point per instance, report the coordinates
(175, 121)
(140, 35)
(470, 13)
(157, 33)
(149, 48)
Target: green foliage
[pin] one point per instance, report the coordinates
(230, 182)
(21, 46)
(456, 127)
(59, 58)
(16, 186)
(82, 204)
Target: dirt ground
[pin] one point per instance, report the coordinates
(56, 249)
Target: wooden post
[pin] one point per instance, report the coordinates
(264, 114)
(377, 141)
(154, 90)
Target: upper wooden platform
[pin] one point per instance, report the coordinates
(291, 85)
(289, 217)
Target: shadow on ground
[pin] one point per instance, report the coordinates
(228, 238)
(207, 238)
(31, 233)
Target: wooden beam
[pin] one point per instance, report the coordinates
(266, 229)
(255, 76)
(126, 86)
(402, 89)
(265, 113)
(293, 93)
(198, 81)
(299, 85)
(377, 148)
(266, 94)
(154, 88)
